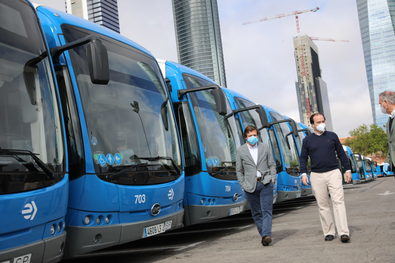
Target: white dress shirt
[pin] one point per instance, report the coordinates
(254, 153)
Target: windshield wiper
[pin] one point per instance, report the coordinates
(41, 164)
(157, 158)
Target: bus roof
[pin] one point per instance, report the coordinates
(63, 18)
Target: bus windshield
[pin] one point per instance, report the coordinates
(31, 146)
(287, 143)
(367, 166)
(358, 160)
(129, 141)
(220, 135)
(266, 135)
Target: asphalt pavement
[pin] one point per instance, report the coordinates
(297, 235)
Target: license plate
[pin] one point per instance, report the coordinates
(156, 229)
(21, 259)
(235, 210)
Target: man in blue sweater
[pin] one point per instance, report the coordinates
(324, 149)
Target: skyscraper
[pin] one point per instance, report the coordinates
(102, 12)
(377, 23)
(311, 89)
(199, 37)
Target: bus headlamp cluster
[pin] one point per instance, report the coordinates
(98, 220)
(56, 227)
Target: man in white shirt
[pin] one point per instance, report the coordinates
(256, 172)
(387, 104)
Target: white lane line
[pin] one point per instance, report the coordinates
(386, 193)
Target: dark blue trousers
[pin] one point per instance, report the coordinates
(261, 203)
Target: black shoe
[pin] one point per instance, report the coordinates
(329, 237)
(266, 240)
(345, 238)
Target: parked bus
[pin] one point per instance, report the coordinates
(363, 168)
(368, 168)
(355, 174)
(210, 139)
(126, 178)
(33, 161)
(303, 131)
(376, 170)
(289, 181)
(386, 169)
(249, 113)
(281, 133)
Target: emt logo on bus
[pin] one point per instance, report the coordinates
(30, 210)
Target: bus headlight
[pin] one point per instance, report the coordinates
(87, 220)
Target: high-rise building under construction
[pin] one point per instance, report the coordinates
(102, 12)
(199, 37)
(311, 89)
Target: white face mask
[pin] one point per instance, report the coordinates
(321, 127)
(383, 110)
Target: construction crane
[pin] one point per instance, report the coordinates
(295, 13)
(328, 39)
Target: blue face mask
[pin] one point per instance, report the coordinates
(252, 140)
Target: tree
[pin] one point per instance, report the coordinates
(370, 140)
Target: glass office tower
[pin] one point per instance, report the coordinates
(377, 22)
(199, 37)
(102, 12)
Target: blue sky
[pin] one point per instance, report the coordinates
(259, 59)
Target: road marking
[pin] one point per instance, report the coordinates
(386, 193)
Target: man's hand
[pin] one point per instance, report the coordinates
(347, 176)
(305, 180)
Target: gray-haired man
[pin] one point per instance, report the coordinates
(387, 104)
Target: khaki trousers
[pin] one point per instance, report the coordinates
(323, 185)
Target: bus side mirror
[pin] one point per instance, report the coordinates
(220, 101)
(98, 62)
(294, 128)
(168, 85)
(263, 117)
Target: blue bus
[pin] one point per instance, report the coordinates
(364, 169)
(386, 169)
(274, 128)
(287, 157)
(369, 175)
(210, 140)
(372, 166)
(376, 170)
(355, 174)
(33, 159)
(126, 178)
(249, 113)
(303, 131)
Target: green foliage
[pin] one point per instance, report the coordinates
(368, 140)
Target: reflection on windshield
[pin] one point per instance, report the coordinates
(124, 117)
(219, 135)
(29, 117)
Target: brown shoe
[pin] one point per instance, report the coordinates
(266, 240)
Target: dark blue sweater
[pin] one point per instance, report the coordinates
(323, 151)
